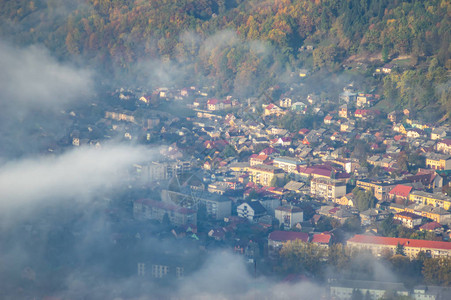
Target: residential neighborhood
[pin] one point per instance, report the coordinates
(230, 173)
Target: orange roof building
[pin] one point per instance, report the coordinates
(378, 246)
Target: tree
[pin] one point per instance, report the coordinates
(437, 271)
(353, 224)
(301, 257)
(388, 227)
(356, 295)
(337, 257)
(400, 250)
(363, 199)
(166, 221)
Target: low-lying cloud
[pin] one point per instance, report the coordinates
(77, 175)
(31, 78)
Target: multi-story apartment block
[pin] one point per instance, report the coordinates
(438, 161)
(289, 216)
(387, 245)
(146, 209)
(327, 188)
(380, 188)
(163, 170)
(288, 164)
(119, 116)
(432, 199)
(264, 174)
(408, 219)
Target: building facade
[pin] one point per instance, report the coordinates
(146, 209)
(264, 174)
(379, 246)
(289, 216)
(327, 188)
(432, 199)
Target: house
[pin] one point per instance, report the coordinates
(408, 219)
(339, 213)
(251, 210)
(432, 227)
(217, 234)
(394, 116)
(145, 98)
(283, 141)
(366, 100)
(346, 200)
(369, 216)
(277, 239)
(400, 193)
(285, 102)
(348, 96)
(346, 127)
(298, 106)
(258, 159)
(438, 133)
(273, 109)
(444, 146)
(322, 239)
(415, 133)
(343, 111)
(289, 216)
(363, 113)
(327, 188)
(294, 186)
(379, 246)
(215, 104)
(387, 68)
(328, 119)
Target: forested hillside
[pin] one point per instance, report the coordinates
(235, 42)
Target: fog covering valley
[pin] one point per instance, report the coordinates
(60, 213)
(67, 229)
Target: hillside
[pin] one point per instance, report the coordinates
(244, 46)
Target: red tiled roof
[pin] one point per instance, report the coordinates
(321, 238)
(446, 141)
(401, 190)
(261, 157)
(284, 236)
(407, 215)
(431, 226)
(366, 239)
(268, 151)
(270, 106)
(213, 101)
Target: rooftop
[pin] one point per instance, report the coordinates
(379, 240)
(284, 236)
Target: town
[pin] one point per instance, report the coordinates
(272, 176)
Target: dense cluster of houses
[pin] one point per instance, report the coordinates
(234, 165)
(272, 170)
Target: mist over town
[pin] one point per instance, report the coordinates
(225, 149)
